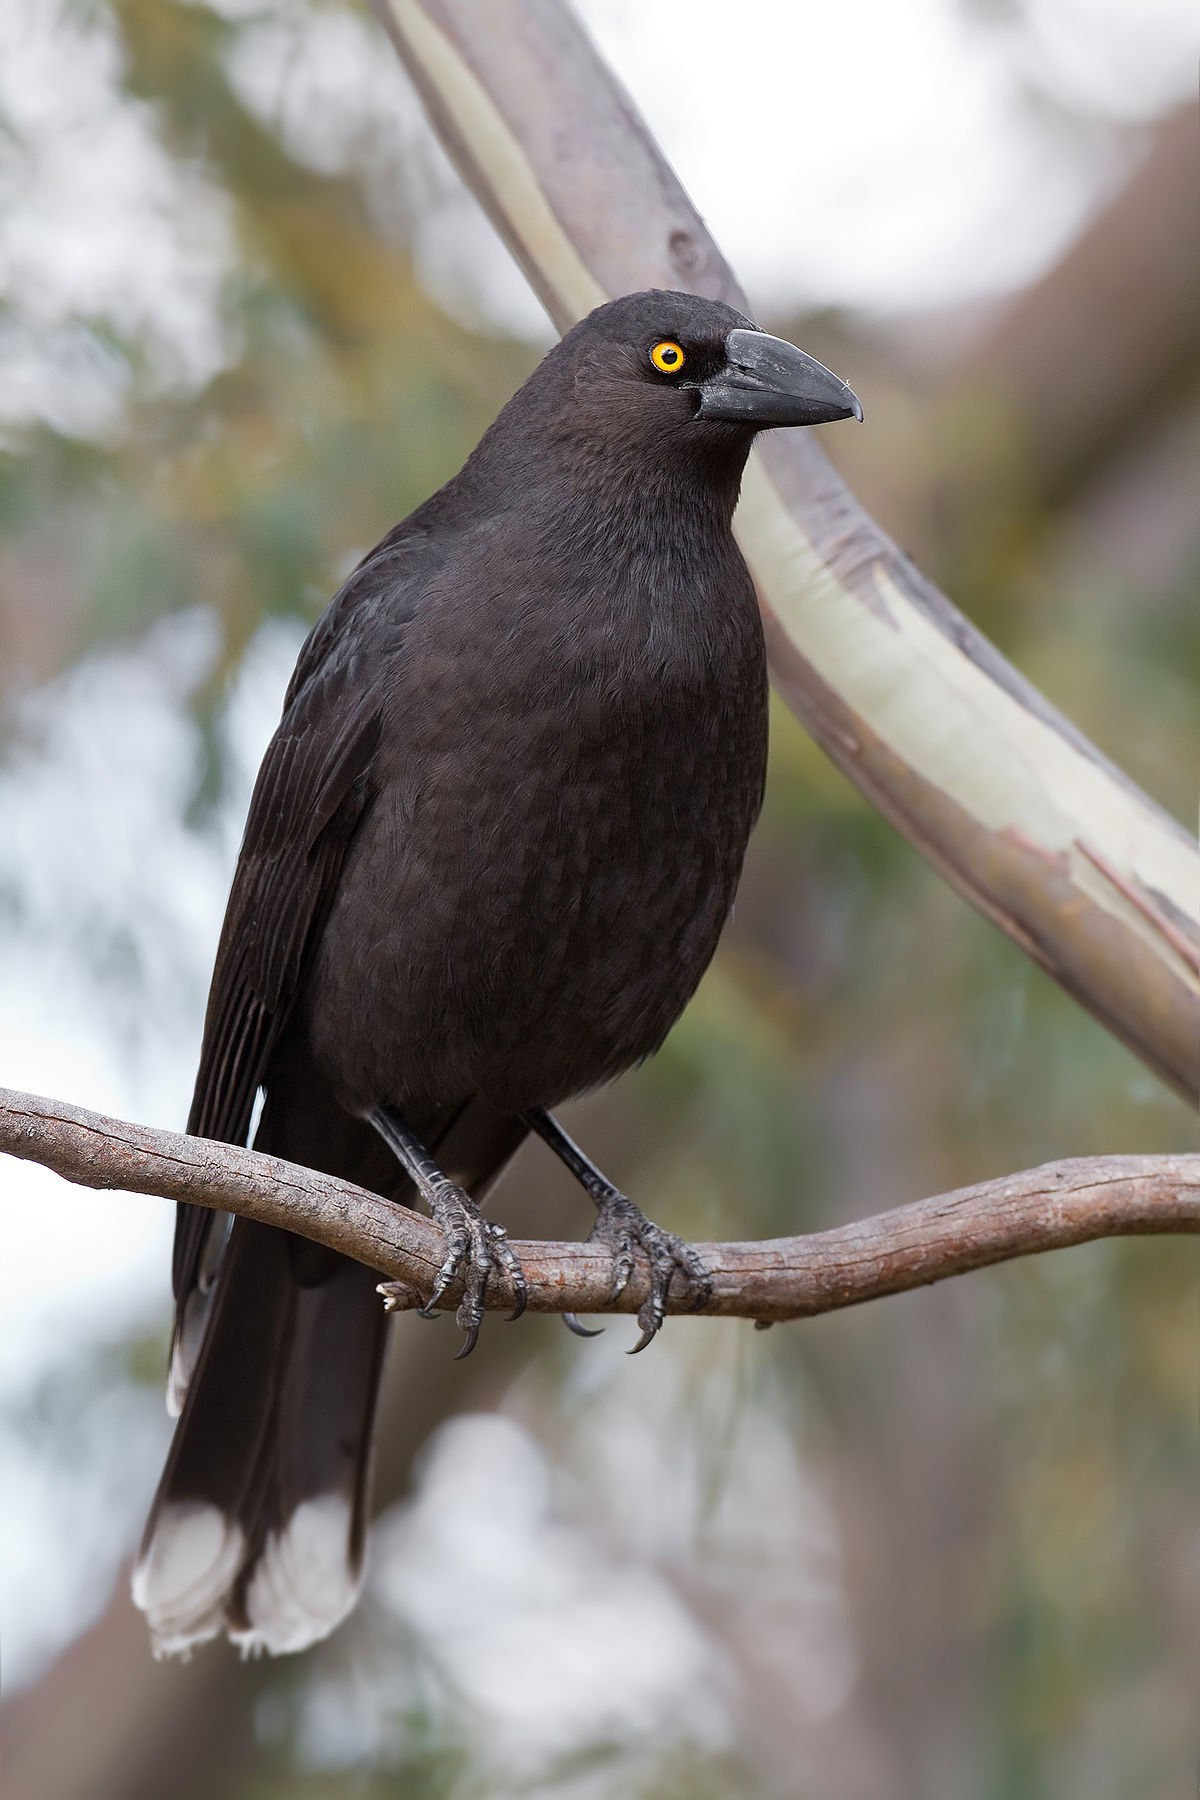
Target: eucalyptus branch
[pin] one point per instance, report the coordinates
(1048, 1208)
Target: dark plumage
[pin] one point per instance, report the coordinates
(490, 851)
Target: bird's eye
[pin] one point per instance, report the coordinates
(667, 358)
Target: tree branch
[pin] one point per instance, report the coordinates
(1060, 1204)
(1005, 798)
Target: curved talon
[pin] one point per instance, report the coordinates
(572, 1324)
(457, 1245)
(430, 1308)
(469, 1316)
(653, 1309)
(649, 1333)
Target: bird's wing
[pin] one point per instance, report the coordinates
(311, 792)
(313, 788)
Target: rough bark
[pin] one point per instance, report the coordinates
(1048, 1208)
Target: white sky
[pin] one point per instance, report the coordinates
(882, 155)
(864, 154)
(868, 154)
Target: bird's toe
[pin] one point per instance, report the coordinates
(475, 1249)
(625, 1229)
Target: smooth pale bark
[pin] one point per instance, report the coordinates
(1005, 798)
(1049, 1208)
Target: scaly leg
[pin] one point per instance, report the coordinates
(474, 1246)
(625, 1228)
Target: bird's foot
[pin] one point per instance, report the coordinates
(475, 1248)
(625, 1228)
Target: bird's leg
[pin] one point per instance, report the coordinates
(474, 1246)
(625, 1227)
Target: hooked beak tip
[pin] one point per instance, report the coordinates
(767, 382)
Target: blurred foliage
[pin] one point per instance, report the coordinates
(349, 399)
(1012, 1460)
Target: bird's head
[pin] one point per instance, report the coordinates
(682, 376)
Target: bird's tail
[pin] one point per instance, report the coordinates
(259, 1522)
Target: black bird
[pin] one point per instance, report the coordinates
(491, 848)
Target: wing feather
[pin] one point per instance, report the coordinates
(312, 792)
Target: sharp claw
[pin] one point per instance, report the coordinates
(469, 1316)
(513, 1270)
(654, 1308)
(444, 1277)
(435, 1294)
(428, 1311)
(572, 1324)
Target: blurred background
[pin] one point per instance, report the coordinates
(942, 1546)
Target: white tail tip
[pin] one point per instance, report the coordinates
(182, 1579)
(303, 1584)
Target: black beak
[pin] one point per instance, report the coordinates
(766, 382)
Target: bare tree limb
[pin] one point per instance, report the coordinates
(1006, 799)
(1060, 1204)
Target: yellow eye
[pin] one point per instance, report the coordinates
(667, 358)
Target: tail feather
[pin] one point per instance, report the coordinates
(195, 1305)
(305, 1570)
(303, 1583)
(187, 1565)
(258, 1527)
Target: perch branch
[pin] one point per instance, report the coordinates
(1004, 797)
(1048, 1208)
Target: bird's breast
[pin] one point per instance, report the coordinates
(559, 832)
